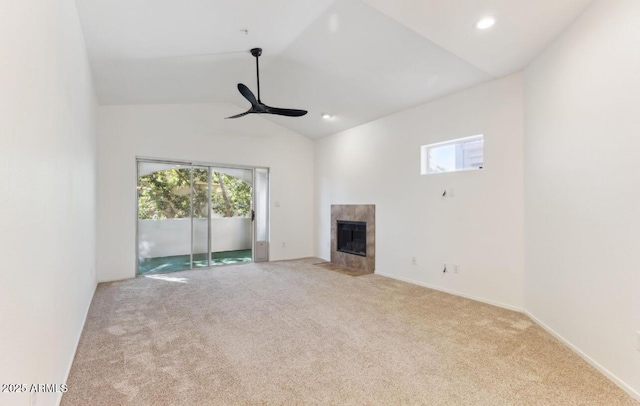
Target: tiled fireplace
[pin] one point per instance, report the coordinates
(353, 236)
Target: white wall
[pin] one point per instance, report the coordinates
(582, 199)
(170, 237)
(48, 171)
(198, 132)
(480, 229)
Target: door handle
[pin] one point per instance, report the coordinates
(253, 215)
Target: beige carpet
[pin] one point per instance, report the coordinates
(342, 269)
(291, 333)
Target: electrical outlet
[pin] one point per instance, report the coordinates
(456, 269)
(276, 203)
(451, 193)
(284, 244)
(414, 261)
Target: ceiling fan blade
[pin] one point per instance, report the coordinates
(241, 114)
(286, 112)
(248, 94)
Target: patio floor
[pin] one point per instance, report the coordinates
(181, 262)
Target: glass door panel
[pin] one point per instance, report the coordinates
(201, 199)
(164, 217)
(231, 228)
(261, 215)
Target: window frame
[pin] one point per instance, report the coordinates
(425, 149)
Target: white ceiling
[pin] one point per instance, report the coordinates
(523, 30)
(357, 59)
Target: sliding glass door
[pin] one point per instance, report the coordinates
(164, 217)
(196, 216)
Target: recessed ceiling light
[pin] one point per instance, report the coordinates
(486, 22)
(327, 116)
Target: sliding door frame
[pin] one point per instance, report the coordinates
(210, 165)
(209, 207)
(267, 214)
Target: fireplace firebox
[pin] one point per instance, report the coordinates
(352, 237)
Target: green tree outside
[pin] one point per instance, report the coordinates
(166, 195)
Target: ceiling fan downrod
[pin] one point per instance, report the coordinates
(257, 52)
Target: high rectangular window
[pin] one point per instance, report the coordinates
(455, 155)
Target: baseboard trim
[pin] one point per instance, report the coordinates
(585, 357)
(75, 350)
(452, 292)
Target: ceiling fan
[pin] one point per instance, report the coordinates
(257, 106)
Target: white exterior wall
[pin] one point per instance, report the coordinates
(164, 238)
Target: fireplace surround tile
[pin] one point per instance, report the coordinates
(354, 212)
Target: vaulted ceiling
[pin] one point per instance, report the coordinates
(357, 60)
